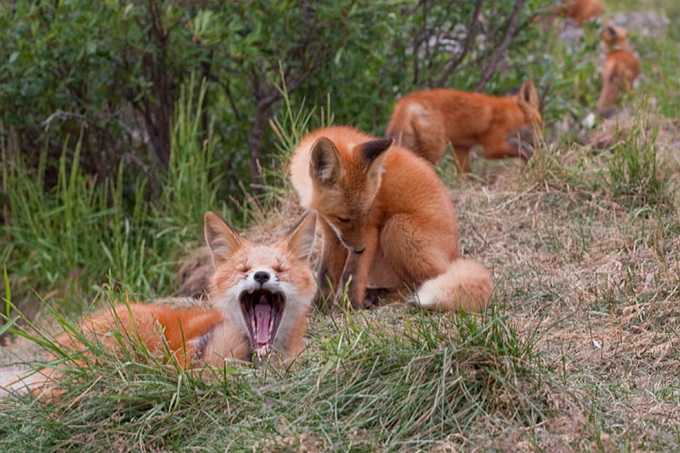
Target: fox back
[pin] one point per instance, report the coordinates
(582, 11)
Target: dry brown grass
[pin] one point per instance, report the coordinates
(596, 282)
(591, 281)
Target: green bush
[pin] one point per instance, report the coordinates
(111, 70)
(123, 121)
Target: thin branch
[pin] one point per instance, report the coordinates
(62, 114)
(500, 51)
(472, 32)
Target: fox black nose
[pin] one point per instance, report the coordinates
(261, 277)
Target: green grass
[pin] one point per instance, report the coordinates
(580, 351)
(363, 386)
(637, 176)
(83, 232)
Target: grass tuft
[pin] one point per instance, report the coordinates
(637, 177)
(365, 385)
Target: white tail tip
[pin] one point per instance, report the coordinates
(466, 285)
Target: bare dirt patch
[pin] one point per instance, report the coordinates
(14, 360)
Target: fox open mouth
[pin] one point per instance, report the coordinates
(262, 311)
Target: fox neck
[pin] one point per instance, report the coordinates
(618, 46)
(223, 342)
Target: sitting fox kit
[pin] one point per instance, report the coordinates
(387, 222)
(621, 68)
(425, 121)
(259, 299)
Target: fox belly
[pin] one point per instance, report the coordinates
(620, 71)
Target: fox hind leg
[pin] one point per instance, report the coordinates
(410, 251)
(462, 158)
(430, 138)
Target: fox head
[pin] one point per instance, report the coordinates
(265, 290)
(614, 37)
(529, 106)
(346, 183)
(527, 100)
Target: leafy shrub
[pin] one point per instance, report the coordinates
(123, 121)
(111, 70)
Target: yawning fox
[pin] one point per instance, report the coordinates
(259, 300)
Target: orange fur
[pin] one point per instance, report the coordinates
(387, 219)
(582, 11)
(621, 68)
(425, 121)
(200, 333)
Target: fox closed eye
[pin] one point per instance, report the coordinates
(343, 219)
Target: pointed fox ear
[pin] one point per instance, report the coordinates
(300, 241)
(528, 96)
(609, 32)
(373, 153)
(221, 239)
(324, 166)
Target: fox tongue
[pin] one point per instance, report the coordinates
(263, 315)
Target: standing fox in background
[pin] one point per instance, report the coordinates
(387, 222)
(259, 300)
(424, 121)
(621, 68)
(582, 11)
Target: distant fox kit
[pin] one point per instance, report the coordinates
(387, 222)
(259, 300)
(621, 68)
(582, 11)
(425, 121)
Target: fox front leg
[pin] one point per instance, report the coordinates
(331, 265)
(355, 276)
(351, 283)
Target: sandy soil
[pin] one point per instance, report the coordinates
(14, 365)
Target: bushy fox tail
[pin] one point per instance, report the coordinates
(466, 285)
(416, 128)
(401, 129)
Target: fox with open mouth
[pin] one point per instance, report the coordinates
(265, 291)
(259, 299)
